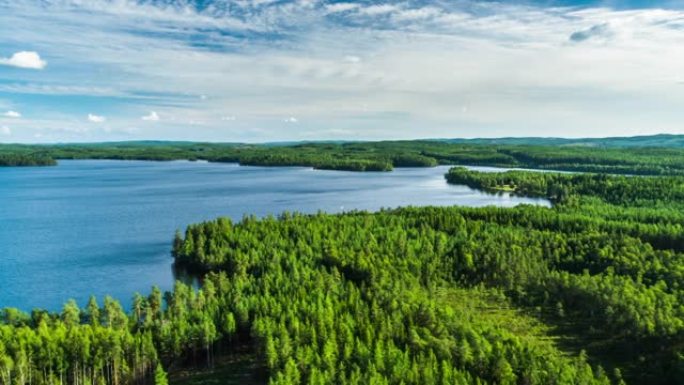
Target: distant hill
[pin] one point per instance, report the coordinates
(661, 140)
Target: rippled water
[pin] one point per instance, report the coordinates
(105, 227)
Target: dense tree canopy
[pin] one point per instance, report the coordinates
(606, 261)
(590, 291)
(22, 158)
(380, 156)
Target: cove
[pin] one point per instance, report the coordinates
(105, 227)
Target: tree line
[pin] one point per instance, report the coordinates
(378, 156)
(21, 159)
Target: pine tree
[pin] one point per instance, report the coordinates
(160, 376)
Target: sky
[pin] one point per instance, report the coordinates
(285, 70)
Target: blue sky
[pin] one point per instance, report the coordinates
(272, 70)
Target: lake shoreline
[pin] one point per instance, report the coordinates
(110, 223)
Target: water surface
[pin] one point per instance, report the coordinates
(105, 227)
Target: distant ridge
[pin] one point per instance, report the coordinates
(659, 140)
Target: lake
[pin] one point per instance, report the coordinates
(105, 227)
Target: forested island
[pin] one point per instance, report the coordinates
(663, 156)
(590, 291)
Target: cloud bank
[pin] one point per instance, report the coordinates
(345, 70)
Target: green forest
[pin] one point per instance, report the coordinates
(667, 158)
(24, 159)
(589, 291)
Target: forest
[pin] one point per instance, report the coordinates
(578, 156)
(590, 291)
(659, 140)
(21, 159)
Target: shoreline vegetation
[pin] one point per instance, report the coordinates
(620, 157)
(588, 291)
(27, 159)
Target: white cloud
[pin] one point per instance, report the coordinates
(96, 118)
(5, 131)
(151, 117)
(59, 89)
(341, 7)
(24, 59)
(12, 114)
(228, 118)
(417, 14)
(379, 9)
(291, 119)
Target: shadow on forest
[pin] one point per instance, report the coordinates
(642, 361)
(236, 366)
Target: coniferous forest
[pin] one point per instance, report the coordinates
(666, 157)
(590, 291)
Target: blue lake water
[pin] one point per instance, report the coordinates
(105, 227)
